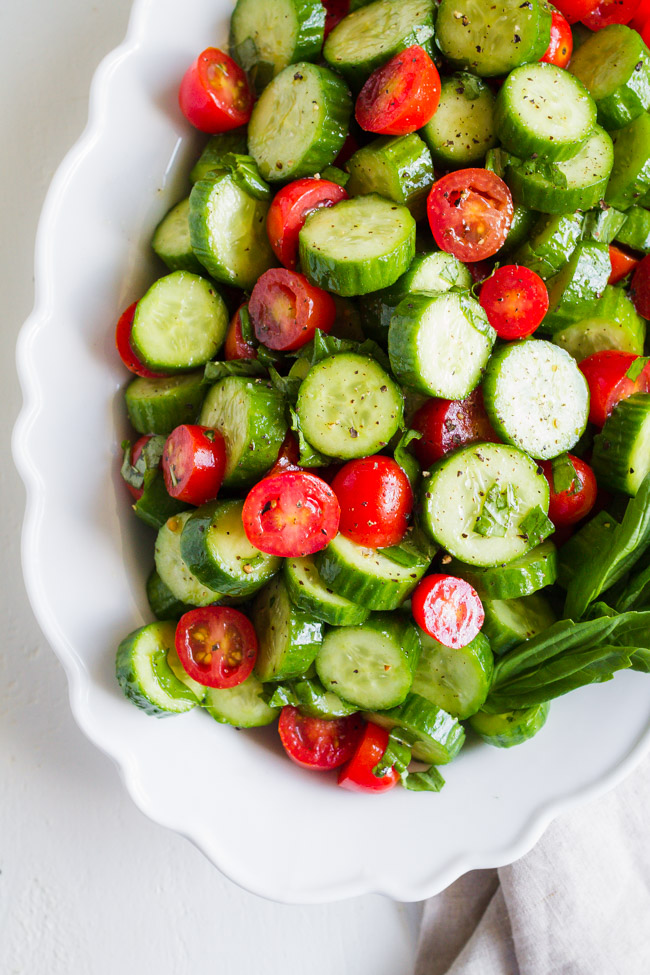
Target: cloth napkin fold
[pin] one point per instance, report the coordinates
(577, 904)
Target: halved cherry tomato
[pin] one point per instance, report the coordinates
(290, 208)
(448, 609)
(640, 287)
(575, 10)
(401, 96)
(193, 463)
(357, 775)
(291, 514)
(350, 146)
(470, 212)
(376, 501)
(568, 506)
(236, 346)
(286, 309)
(641, 21)
(216, 645)
(136, 450)
(288, 456)
(335, 11)
(560, 48)
(123, 345)
(515, 300)
(446, 424)
(215, 95)
(622, 263)
(605, 373)
(319, 743)
(609, 12)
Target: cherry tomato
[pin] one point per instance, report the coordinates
(124, 348)
(568, 506)
(401, 95)
(610, 12)
(319, 743)
(349, 148)
(288, 456)
(446, 424)
(193, 463)
(575, 10)
(622, 263)
(641, 21)
(515, 300)
(357, 775)
(291, 514)
(560, 48)
(640, 287)
(216, 645)
(605, 373)
(448, 609)
(335, 11)
(215, 95)
(136, 450)
(290, 208)
(480, 270)
(236, 346)
(470, 213)
(286, 309)
(376, 501)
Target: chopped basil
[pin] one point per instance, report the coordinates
(536, 526)
(637, 367)
(496, 514)
(149, 460)
(565, 476)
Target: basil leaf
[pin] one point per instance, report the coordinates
(496, 514)
(149, 460)
(637, 367)
(245, 174)
(564, 475)
(268, 357)
(397, 755)
(536, 526)
(214, 371)
(325, 345)
(476, 315)
(429, 780)
(405, 458)
(414, 549)
(279, 696)
(247, 333)
(497, 160)
(308, 455)
(470, 86)
(636, 594)
(290, 384)
(547, 170)
(335, 175)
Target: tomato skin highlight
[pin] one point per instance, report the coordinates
(214, 94)
(289, 210)
(566, 508)
(136, 450)
(291, 514)
(575, 10)
(401, 96)
(235, 345)
(622, 263)
(640, 287)
(194, 463)
(286, 309)
(376, 501)
(446, 424)
(448, 609)
(515, 301)
(609, 12)
(357, 774)
(605, 373)
(319, 744)
(288, 456)
(217, 645)
(560, 47)
(125, 349)
(470, 213)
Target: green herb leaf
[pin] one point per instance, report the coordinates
(149, 460)
(414, 549)
(497, 161)
(245, 175)
(308, 455)
(280, 695)
(536, 526)
(637, 367)
(547, 170)
(335, 175)
(471, 87)
(214, 371)
(429, 780)
(397, 754)
(247, 332)
(325, 345)
(565, 476)
(476, 315)
(496, 514)
(268, 357)
(405, 458)
(287, 385)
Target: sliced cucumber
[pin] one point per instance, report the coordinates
(155, 505)
(523, 576)
(491, 39)
(574, 292)
(397, 168)
(440, 344)
(454, 496)
(437, 736)
(508, 622)
(614, 65)
(160, 405)
(171, 240)
(542, 109)
(163, 603)
(215, 548)
(461, 129)
(457, 680)
(242, 706)
(510, 728)
(357, 246)
(550, 244)
(370, 665)
(536, 397)
(630, 178)
(349, 406)
(177, 669)
(308, 694)
(621, 457)
(635, 232)
(173, 571)
(216, 148)
(288, 638)
(250, 415)
(614, 324)
(309, 593)
(300, 122)
(590, 541)
(603, 224)
(145, 676)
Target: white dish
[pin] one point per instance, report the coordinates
(268, 825)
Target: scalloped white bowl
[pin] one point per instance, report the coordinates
(85, 559)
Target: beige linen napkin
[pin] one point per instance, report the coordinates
(577, 904)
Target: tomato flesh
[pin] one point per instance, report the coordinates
(288, 456)
(640, 287)
(290, 208)
(236, 346)
(286, 309)
(291, 514)
(515, 300)
(400, 96)
(125, 349)
(318, 743)
(446, 424)
(194, 463)
(575, 10)
(641, 21)
(357, 774)
(575, 502)
(216, 645)
(214, 94)
(610, 12)
(605, 373)
(335, 11)
(448, 609)
(560, 48)
(376, 501)
(470, 212)
(622, 263)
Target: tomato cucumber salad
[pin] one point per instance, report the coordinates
(391, 396)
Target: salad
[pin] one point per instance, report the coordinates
(391, 397)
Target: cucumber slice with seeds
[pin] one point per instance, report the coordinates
(171, 240)
(160, 405)
(614, 66)
(437, 736)
(614, 324)
(457, 680)
(242, 706)
(397, 168)
(309, 593)
(172, 569)
(511, 727)
(145, 676)
(621, 457)
(526, 575)
(461, 129)
(288, 638)
(508, 622)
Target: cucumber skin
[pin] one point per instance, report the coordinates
(261, 716)
(179, 261)
(479, 649)
(630, 177)
(334, 615)
(128, 679)
(155, 506)
(511, 727)
(507, 581)
(387, 594)
(411, 166)
(161, 414)
(447, 733)
(587, 273)
(631, 99)
(611, 456)
(162, 602)
(304, 637)
(635, 232)
(216, 148)
(548, 256)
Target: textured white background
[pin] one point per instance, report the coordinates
(88, 886)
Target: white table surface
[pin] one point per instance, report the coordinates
(88, 886)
